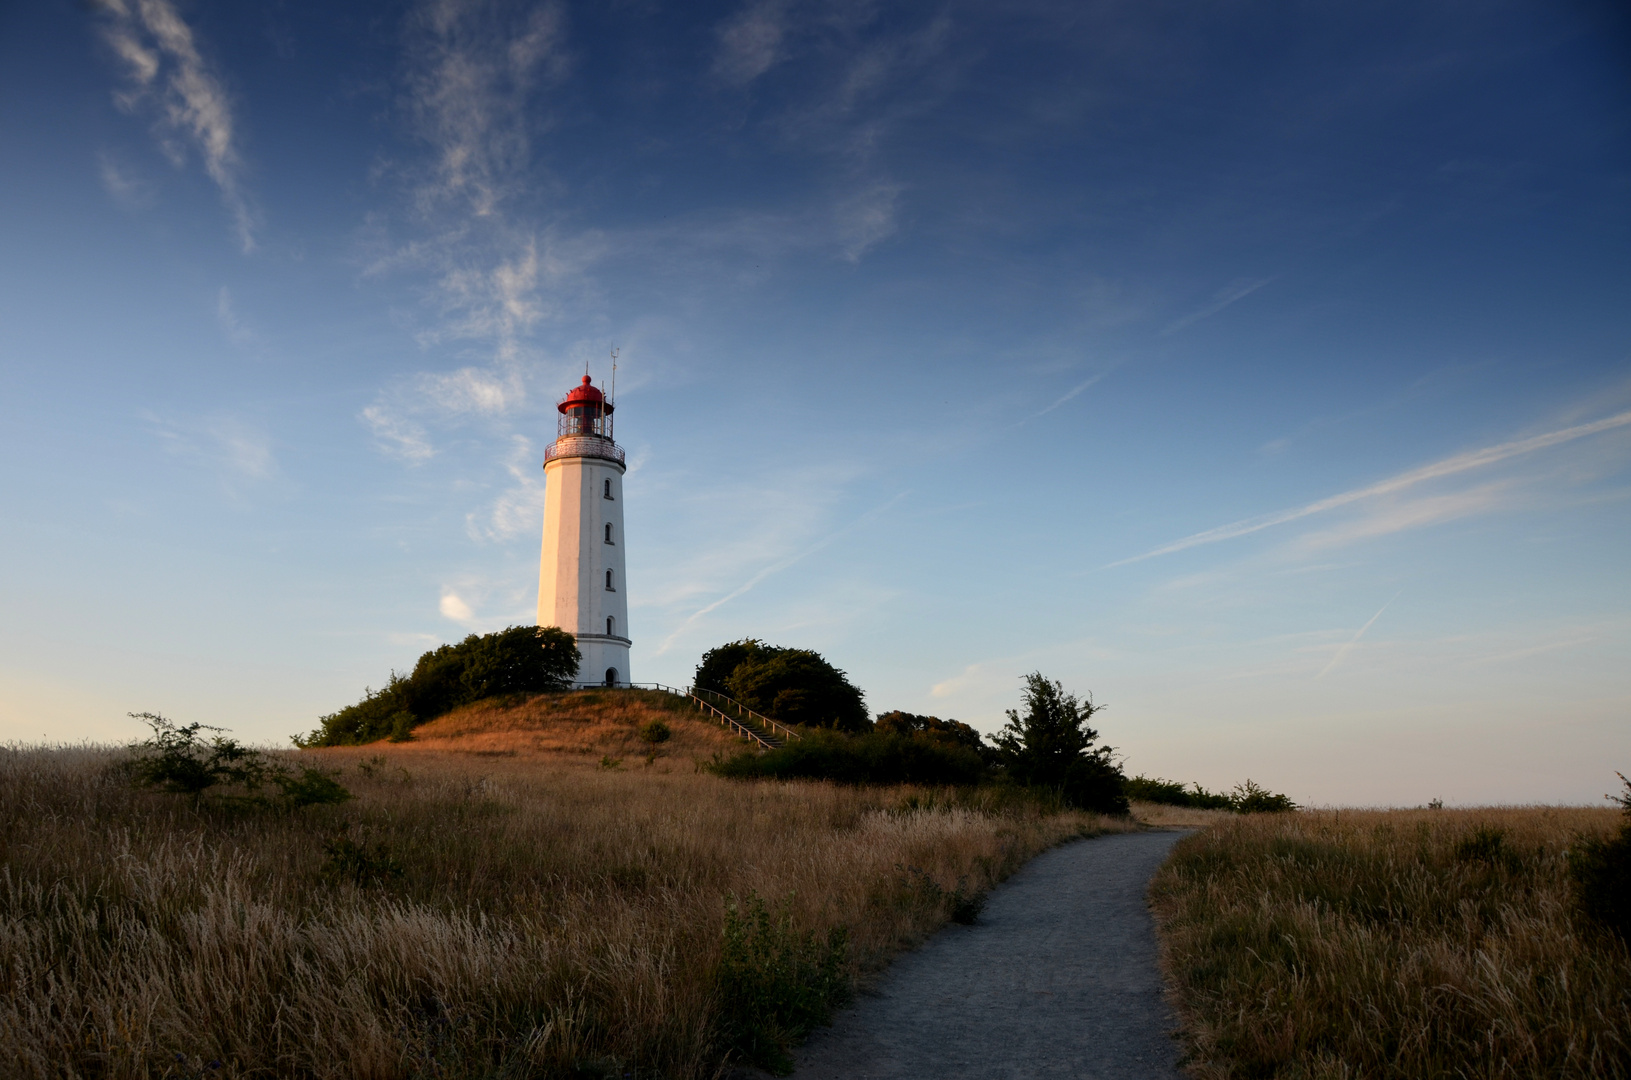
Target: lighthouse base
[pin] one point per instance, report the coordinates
(605, 660)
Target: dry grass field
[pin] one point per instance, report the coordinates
(515, 911)
(1160, 815)
(1420, 944)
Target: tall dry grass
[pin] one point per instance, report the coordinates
(547, 919)
(1417, 944)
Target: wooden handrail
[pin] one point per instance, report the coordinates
(730, 723)
(774, 725)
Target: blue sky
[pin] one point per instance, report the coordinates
(1263, 369)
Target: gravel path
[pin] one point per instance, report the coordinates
(1058, 979)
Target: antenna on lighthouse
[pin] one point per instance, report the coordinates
(612, 397)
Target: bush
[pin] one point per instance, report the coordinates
(654, 732)
(1249, 798)
(311, 788)
(951, 732)
(775, 983)
(875, 758)
(794, 686)
(1051, 746)
(1600, 872)
(358, 864)
(1172, 793)
(176, 760)
(520, 660)
(960, 902)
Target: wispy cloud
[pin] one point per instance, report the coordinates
(491, 274)
(164, 69)
(127, 188)
(475, 67)
(867, 218)
(232, 325)
(750, 42)
(1348, 645)
(240, 452)
(520, 507)
(396, 435)
(1397, 515)
(1450, 466)
(1229, 294)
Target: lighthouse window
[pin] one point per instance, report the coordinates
(609, 582)
(611, 626)
(608, 532)
(608, 489)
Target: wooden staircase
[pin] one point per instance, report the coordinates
(761, 731)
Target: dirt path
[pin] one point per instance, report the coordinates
(1058, 979)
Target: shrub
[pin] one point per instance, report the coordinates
(1052, 746)
(358, 864)
(962, 903)
(1600, 873)
(519, 660)
(1172, 793)
(1249, 798)
(775, 983)
(875, 758)
(176, 760)
(952, 732)
(311, 788)
(794, 686)
(654, 732)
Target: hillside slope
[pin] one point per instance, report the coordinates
(583, 725)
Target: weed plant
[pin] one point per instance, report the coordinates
(460, 916)
(1424, 944)
(776, 982)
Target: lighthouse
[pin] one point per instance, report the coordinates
(581, 584)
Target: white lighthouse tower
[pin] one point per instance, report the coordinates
(581, 585)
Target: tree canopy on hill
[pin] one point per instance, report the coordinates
(950, 732)
(519, 660)
(794, 686)
(1051, 746)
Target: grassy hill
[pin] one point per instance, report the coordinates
(577, 727)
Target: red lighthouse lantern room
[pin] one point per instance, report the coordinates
(585, 411)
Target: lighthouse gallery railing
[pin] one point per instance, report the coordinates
(584, 446)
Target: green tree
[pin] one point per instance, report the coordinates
(795, 686)
(950, 732)
(798, 686)
(1052, 746)
(519, 660)
(717, 664)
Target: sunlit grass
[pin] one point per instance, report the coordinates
(464, 915)
(1421, 944)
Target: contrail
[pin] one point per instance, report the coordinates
(1337, 659)
(1449, 466)
(1072, 392)
(776, 568)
